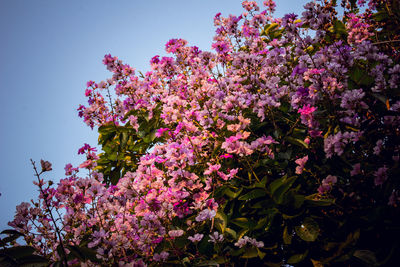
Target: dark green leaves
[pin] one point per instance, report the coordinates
(308, 230)
(297, 258)
(12, 236)
(297, 141)
(256, 193)
(21, 256)
(359, 75)
(279, 187)
(244, 223)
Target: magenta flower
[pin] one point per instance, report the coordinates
(221, 47)
(226, 156)
(307, 110)
(212, 168)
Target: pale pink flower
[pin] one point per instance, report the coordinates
(196, 238)
(205, 215)
(216, 237)
(176, 233)
(301, 162)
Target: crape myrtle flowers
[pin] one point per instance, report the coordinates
(280, 100)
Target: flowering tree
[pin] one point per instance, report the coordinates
(281, 147)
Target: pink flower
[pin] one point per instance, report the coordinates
(88, 164)
(381, 175)
(196, 238)
(221, 47)
(69, 170)
(133, 120)
(378, 147)
(212, 168)
(301, 162)
(307, 110)
(245, 240)
(205, 215)
(216, 238)
(327, 183)
(270, 4)
(160, 257)
(356, 169)
(175, 233)
(161, 131)
(226, 156)
(46, 166)
(250, 5)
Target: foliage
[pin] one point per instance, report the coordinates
(282, 147)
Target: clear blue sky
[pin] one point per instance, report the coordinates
(49, 49)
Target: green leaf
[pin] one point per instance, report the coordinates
(270, 214)
(297, 258)
(232, 194)
(261, 254)
(11, 232)
(308, 230)
(205, 247)
(18, 252)
(367, 257)
(112, 156)
(221, 221)
(107, 128)
(339, 29)
(244, 223)
(296, 141)
(261, 184)
(124, 136)
(256, 193)
(279, 187)
(115, 175)
(287, 237)
(76, 252)
(34, 261)
(381, 98)
(318, 202)
(262, 223)
(207, 263)
(58, 264)
(269, 28)
(380, 15)
(150, 137)
(231, 232)
(237, 252)
(12, 235)
(360, 76)
(250, 253)
(262, 204)
(298, 201)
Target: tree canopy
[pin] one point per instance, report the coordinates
(280, 147)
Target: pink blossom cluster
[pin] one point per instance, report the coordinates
(357, 29)
(243, 241)
(207, 103)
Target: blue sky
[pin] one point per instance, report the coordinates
(49, 49)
